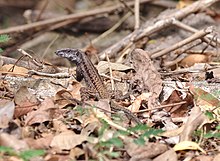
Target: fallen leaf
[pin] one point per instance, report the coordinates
(25, 102)
(206, 101)
(145, 152)
(192, 59)
(37, 117)
(178, 110)
(205, 96)
(15, 69)
(13, 142)
(76, 152)
(195, 119)
(135, 106)
(90, 128)
(41, 143)
(67, 140)
(188, 145)
(147, 77)
(103, 66)
(6, 113)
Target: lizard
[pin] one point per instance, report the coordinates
(85, 69)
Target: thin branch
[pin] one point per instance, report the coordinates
(188, 40)
(137, 14)
(154, 26)
(70, 18)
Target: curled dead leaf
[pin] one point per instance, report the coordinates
(103, 66)
(188, 145)
(25, 102)
(67, 140)
(15, 69)
(190, 60)
(37, 117)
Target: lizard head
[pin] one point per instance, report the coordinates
(73, 55)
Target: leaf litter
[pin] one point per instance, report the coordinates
(169, 69)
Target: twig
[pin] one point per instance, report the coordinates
(51, 43)
(195, 36)
(137, 14)
(110, 71)
(193, 30)
(56, 75)
(42, 10)
(150, 27)
(28, 55)
(22, 63)
(131, 10)
(188, 70)
(70, 18)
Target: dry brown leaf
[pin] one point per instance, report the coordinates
(63, 98)
(67, 140)
(178, 110)
(47, 103)
(76, 152)
(206, 101)
(205, 97)
(190, 60)
(45, 112)
(37, 117)
(195, 119)
(147, 151)
(59, 125)
(41, 143)
(11, 141)
(16, 69)
(90, 128)
(147, 77)
(25, 102)
(74, 89)
(137, 103)
(103, 67)
(6, 113)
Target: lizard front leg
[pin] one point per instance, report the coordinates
(87, 93)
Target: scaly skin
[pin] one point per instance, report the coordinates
(85, 69)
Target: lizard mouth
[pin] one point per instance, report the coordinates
(60, 53)
(68, 53)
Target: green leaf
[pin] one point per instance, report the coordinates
(139, 127)
(1, 50)
(218, 127)
(112, 142)
(152, 132)
(139, 141)
(112, 154)
(209, 115)
(5, 149)
(4, 38)
(105, 126)
(121, 132)
(212, 135)
(28, 154)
